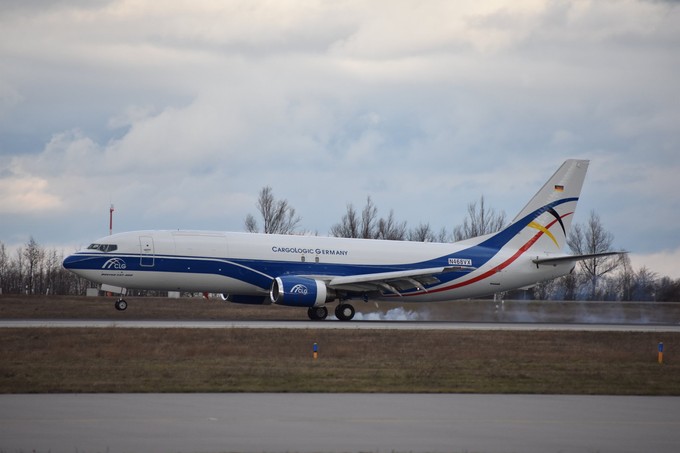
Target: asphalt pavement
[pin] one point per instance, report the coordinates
(114, 423)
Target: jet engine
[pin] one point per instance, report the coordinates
(295, 291)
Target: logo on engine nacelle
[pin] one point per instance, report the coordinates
(114, 263)
(299, 289)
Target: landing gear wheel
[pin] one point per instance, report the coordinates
(121, 305)
(344, 312)
(317, 313)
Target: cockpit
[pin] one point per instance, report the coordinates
(103, 247)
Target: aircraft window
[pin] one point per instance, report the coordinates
(103, 247)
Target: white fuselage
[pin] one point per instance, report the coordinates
(246, 264)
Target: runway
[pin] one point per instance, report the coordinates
(338, 423)
(351, 325)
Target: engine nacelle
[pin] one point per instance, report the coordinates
(300, 292)
(249, 300)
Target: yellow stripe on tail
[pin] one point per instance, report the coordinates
(540, 227)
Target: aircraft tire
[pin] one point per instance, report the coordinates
(121, 305)
(344, 312)
(317, 313)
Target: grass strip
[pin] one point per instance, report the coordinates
(278, 360)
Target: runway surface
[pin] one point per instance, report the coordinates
(338, 423)
(352, 325)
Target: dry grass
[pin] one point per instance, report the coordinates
(235, 360)
(196, 308)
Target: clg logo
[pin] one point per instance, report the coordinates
(299, 289)
(115, 263)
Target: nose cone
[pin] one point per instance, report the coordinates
(75, 262)
(69, 262)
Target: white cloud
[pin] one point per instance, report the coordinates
(26, 195)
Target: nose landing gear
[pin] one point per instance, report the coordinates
(121, 304)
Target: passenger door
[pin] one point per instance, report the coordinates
(147, 254)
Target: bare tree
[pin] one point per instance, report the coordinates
(425, 233)
(34, 255)
(479, 221)
(251, 224)
(644, 285)
(4, 265)
(625, 279)
(390, 229)
(354, 225)
(369, 217)
(278, 216)
(422, 233)
(589, 239)
(368, 225)
(348, 227)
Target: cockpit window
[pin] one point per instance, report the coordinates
(103, 247)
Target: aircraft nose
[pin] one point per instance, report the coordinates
(71, 262)
(68, 262)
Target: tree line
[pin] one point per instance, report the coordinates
(33, 269)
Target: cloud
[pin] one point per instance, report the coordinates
(664, 263)
(26, 195)
(179, 112)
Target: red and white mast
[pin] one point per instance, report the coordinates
(111, 220)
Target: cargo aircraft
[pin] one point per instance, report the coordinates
(311, 271)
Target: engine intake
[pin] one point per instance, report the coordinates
(296, 291)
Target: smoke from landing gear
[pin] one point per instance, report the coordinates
(394, 314)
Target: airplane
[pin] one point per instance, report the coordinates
(312, 272)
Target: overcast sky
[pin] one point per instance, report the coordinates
(178, 112)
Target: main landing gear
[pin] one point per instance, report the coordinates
(317, 313)
(344, 312)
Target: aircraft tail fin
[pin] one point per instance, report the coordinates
(543, 225)
(565, 183)
(552, 209)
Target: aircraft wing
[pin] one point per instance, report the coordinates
(574, 258)
(395, 282)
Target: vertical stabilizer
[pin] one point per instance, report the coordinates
(552, 209)
(565, 183)
(543, 225)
